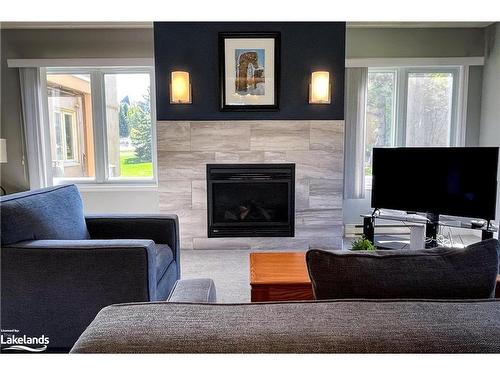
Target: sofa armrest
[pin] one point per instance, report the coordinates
(59, 286)
(162, 229)
(193, 290)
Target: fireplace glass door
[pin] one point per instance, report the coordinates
(250, 200)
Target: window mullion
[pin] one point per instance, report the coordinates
(45, 131)
(99, 124)
(152, 89)
(459, 106)
(401, 106)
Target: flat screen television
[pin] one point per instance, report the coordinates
(457, 181)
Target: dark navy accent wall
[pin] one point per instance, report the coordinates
(305, 47)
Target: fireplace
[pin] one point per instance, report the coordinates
(251, 200)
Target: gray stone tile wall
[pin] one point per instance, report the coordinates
(316, 147)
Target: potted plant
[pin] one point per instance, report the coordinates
(362, 243)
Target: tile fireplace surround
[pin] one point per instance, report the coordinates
(316, 147)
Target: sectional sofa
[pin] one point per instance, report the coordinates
(428, 301)
(331, 326)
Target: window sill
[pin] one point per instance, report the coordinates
(125, 186)
(71, 163)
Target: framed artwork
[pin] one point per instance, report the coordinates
(249, 65)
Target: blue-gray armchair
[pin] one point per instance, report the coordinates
(59, 268)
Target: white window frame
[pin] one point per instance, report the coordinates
(402, 105)
(368, 179)
(459, 103)
(64, 112)
(99, 124)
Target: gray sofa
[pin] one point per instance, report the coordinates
(59, 268)
(429, 301)
(338, 326)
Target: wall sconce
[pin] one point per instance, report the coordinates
(320, 88)
(180, 88)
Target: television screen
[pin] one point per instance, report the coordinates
(458, 181)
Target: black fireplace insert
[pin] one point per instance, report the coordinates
(251, 200)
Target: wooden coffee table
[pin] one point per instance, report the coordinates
(279, 277)
(497, 289)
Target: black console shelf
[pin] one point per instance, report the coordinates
(431, 222)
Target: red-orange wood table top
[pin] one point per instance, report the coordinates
(497, 290)
(279, 276)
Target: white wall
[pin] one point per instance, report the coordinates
(490, 106)
(120, 201)
(474, 106)
(410, 42)
(353, 208)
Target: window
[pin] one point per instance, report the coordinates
(428, 116)
(65, 136)
(70, 122)
(128, 121)
(380, 116)
(100, 122)
(412, 107)
(69, 136)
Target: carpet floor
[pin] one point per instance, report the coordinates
(230, 270)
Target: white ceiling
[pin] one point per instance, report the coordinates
(146, 25)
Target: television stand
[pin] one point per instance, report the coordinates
(423, 229)
(431, 230)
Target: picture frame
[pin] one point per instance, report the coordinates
(249, 68)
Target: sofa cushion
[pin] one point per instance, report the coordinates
(167, 282)
(54, 213)
(440, 273)
(194, 291)
(347, 326)
(164, 257)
